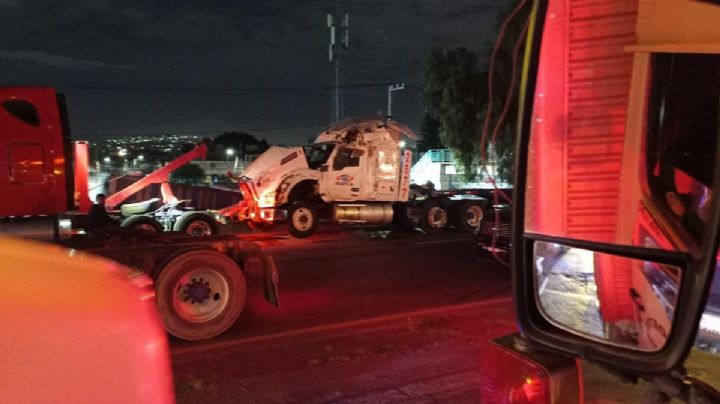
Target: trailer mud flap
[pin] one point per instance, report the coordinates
(242, 250)
(270, 277)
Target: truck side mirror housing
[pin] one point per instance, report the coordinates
(323, 168)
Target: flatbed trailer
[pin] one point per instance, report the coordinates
(199, 281)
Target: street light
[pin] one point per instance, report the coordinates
(229, 153)
(106, 159)
(391, 89)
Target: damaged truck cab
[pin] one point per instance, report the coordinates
(356, 172)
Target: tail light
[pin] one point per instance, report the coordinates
(514, 376)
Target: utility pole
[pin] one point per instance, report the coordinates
(336, 49)
(391, 88)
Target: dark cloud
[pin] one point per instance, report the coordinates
(59, 61)
(218, 44)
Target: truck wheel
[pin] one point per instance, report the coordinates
(196, 224)
(468, 216)
(143, 223)
(200, 294)
(434, 217)
(302, 219)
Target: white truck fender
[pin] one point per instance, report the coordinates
(291, 180)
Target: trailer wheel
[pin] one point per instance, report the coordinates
(143, 223)
(302, 219)
(197, 224)
(200, 294)
(434, 217)
(468, 216)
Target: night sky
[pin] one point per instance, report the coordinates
(210, 66)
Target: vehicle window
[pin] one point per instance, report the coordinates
(346, 157)
(708, 337)
(683, 124)
(22, 110)
(318, 154)
(387, 164)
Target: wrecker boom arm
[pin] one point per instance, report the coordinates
(162, 174)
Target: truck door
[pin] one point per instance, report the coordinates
(345, 174)
(387, 165)
(32, 152)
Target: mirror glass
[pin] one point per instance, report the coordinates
(614, 299)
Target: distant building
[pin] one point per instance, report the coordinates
(438, 166)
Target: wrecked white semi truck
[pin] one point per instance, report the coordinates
(357, 172)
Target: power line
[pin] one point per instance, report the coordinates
(202, 132)
(222, 89)
(417, 4)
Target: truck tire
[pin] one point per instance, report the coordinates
(468, 215)
(302, 219)
(200, 294)
(143, 223)
(434, 217)
(196, 224)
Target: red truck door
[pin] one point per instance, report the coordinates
(32, 153)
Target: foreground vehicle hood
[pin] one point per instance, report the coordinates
(78, 329)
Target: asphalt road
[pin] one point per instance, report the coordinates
(341, 276)
(364, 317)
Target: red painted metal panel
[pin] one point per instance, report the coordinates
(598, 83)
(82, 164)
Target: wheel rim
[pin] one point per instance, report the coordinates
(199, 228)
(302, 219)
(201, 295)
(437, 217)
(473, 216)
(145, 227)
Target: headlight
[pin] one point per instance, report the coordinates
(219, 218)
(269, 198)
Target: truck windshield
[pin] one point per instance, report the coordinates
(318, 154)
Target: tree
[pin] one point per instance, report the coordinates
(188, 174)
(429, 134)
(455, 92)
(452, 92)
(505, 84)
(239, 142)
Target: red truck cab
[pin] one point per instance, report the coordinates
(34, 146)
(616, 219)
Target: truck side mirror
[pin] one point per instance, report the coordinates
(323, 168)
